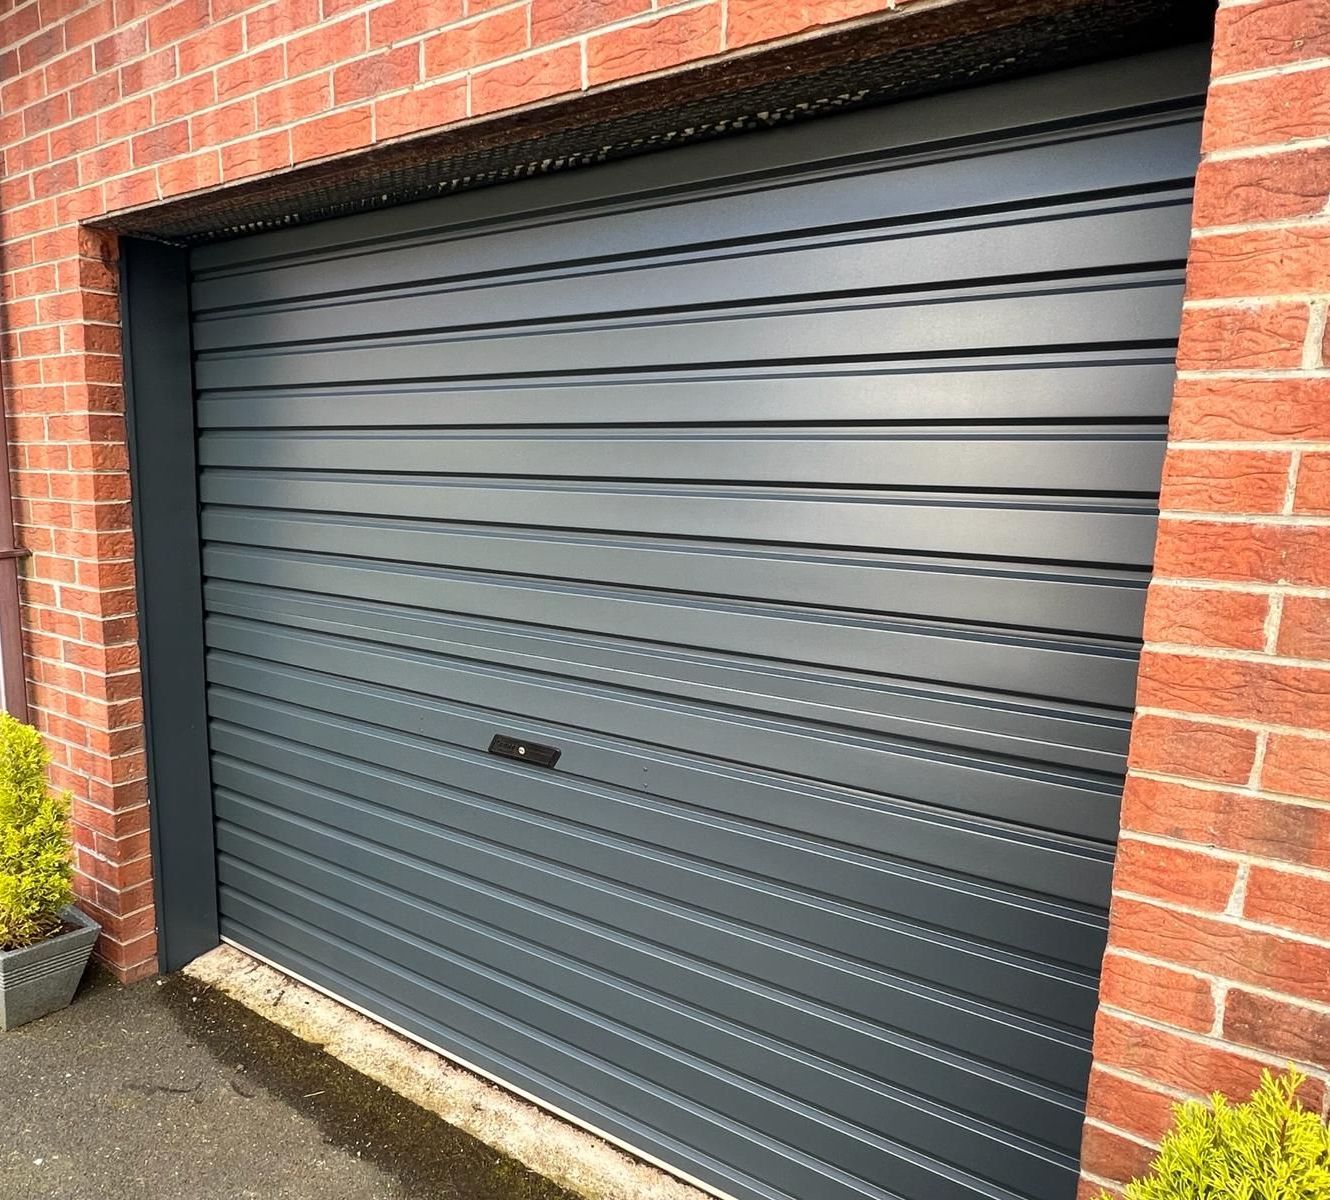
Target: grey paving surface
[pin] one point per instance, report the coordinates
(170, 1090)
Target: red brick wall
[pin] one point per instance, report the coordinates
(111, 104)
(1219, 954)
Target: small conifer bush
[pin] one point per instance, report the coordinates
(1269, 1148)
(35, 867)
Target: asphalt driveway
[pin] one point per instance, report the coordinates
(170, 1090)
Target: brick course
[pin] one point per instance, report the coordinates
(1219, 950)
(1219, 940)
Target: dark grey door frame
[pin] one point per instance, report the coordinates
(159, 416)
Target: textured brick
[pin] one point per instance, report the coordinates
(129, 192)
(527, 80)
(1290, 899)
(19, 25)
(131, 960)
(1176, 1061)
(93, 21)
(22, 88)
(1131, 1105)
(388, 71)
(214, 43)
(144, 74)
(175, 21)
(1194, 616)
(1174, 874)
(1298, 766)
(132, 117)
(68, 70)
(189, 175)
(1111, 1155)
(279, 19)
(1312, 495)
(1225, 481)
(1243, 690)
(654, 45)
(1192, 749)
(1158, 992)
(1260, 262)
(553, 20)
(1214, 946)
(247, 74)
(41, 116)
(1090, 1188)
(1264, 187)
(325, 45)
(11, 124)
(752, 21)
(1288, 409)
(423, 108)
(62, 177)
(1250, 37)
(1242, 552)
(42, 48)
(294, 101)
(15, 191)
(129, 11)
(256, 155)
(498, 35)
(224, 124)
(404, 19)
(1276, 1027)
(19, 92)
(1304, 628)
(1268, 111)
(1241, 336)
(333, 134)
(184, 98)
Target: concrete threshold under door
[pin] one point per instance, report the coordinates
(570, 1158)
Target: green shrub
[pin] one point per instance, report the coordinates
(1269, 1148)
(35, 868)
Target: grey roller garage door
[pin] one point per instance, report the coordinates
(799, 490)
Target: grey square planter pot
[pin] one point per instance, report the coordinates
(40, 979)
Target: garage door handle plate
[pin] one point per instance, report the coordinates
(523, 751)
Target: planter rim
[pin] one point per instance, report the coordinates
(71, 915)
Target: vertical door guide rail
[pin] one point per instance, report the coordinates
(159, 418)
